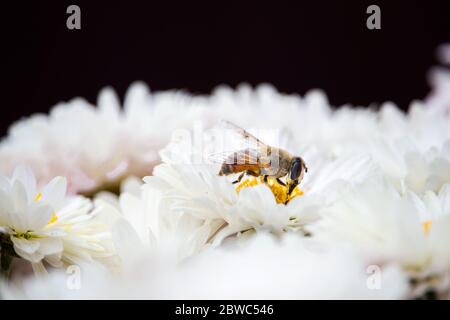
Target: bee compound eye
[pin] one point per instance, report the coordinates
(296, 170)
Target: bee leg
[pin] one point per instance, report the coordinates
(252, 173)
(265, 178)
(239, 178)
(292, 186)
(281, 182)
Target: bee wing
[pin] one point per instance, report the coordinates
(240, 157)
(242, 147)
(234, 138)
(220, 157)
(239, 134)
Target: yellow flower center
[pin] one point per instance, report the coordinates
(24, 235)
(426, 225)
(279, 191)
(247, 183)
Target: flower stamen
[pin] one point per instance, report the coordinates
(426, 225)
(38, 197)
(54, 218)
(279, 191)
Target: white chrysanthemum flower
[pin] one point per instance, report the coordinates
(195, 189)
(143, 224)
(43, 225)
(237, 271)
(388, 227)
(423, 127)
(409, 168)
(96, 147)
(429, 171)
(434, 212)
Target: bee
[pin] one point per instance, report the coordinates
(260, 160)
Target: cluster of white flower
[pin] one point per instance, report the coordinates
(47, 228)
(143, 218)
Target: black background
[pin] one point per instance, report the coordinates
(196, 46)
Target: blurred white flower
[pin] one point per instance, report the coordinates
(262, 268)
(96, 147)
(408, 168)
(388, 227)
(143, 224)
(422, 127)
(43, 225)
(429, 171)
(434, 212)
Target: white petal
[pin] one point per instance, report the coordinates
(39, 216)
(49, 246)
(54, 260)
(19, 197)
(5, 184)
(5, 207)
(444, 195)
(17, 221)
(54, 192)
(108, 101)
(135, 97)
(25, 175)
(125, 239)
(132, 209)
(258, 196)
(432, 204)
(54, 232)
(27, 246)
(32, 257)
(39, 269)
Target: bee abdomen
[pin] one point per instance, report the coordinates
(226, 169)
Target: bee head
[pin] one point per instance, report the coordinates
(298, 168)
